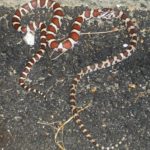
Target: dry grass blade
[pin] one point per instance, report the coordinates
(61, 127)
(110, 31)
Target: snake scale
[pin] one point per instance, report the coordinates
(48, 38)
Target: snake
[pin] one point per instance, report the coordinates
(48, 38)
(49, 32)
(31, 28)
(126, 53)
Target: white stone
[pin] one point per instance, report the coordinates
(29, 38)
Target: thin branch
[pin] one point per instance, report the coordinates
(104, 32)
(61, 127)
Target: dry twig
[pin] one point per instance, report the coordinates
(61, 126)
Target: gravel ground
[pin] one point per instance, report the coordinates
(134, 4)
(119, 96)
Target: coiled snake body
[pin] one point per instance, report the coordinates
(48, 37)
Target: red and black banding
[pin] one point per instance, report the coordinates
(28, 7)
(42, 3)
(74, 35)
(96, 13)
(101, 65)
(51, 28)
(32, 26)
(34, 59)
(54, 26)
(88, 13)
(54, 44)
(68, 43)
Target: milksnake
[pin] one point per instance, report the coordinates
(32, 27)
(51, 30)
(132, 31)
(48, 37)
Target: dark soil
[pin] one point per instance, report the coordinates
(120, 95)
